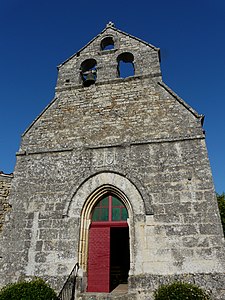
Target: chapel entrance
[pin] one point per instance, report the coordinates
(119, 256)
(108, 253)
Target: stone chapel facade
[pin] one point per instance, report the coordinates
(114, 175)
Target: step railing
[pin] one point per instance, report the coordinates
(69, 287)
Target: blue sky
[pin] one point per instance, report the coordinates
(36, 36)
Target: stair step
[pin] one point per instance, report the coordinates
(120, 289)
(119, 293)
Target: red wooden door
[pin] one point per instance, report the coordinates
(99, 260)
(108, 213)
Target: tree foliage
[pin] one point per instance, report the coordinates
(180, 291)
(36, 289)
(221, 204)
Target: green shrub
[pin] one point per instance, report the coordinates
(221, 204)
(33, 290)
(180, 291)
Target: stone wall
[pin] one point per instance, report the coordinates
(142, 287)
(145, 285)
(146, 59)
(134, 137)
(5, 185)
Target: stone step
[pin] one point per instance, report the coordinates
(120, 289)
(119, 293)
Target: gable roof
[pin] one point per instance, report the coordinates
(111, 26)
(181, 101)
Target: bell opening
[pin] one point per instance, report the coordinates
(88, 72)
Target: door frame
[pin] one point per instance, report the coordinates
(86, 223)
(107, 256)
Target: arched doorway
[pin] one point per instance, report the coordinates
(108, 250)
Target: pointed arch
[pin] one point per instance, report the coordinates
(99, 193)
(86, 212)
(87, 196)
(91, 231)
(94, 182)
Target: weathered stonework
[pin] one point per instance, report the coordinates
(130, 136)
(5, 184)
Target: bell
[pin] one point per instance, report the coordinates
(89, 80)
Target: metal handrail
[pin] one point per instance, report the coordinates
(68, 290)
